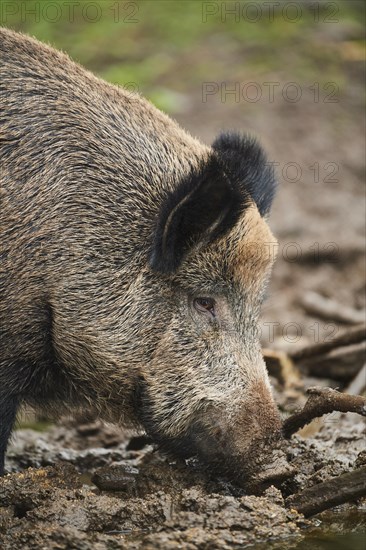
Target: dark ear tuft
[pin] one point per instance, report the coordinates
(203, 207)
(247, 164)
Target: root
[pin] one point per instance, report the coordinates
(323, 401)
(341, 489)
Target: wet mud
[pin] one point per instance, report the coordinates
(90, 486)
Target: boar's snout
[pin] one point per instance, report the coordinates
(245, 444)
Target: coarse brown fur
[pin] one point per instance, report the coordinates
(96, 296)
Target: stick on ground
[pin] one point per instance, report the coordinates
(341, 489)
(347, 337)
(323, 401)
(325, 308)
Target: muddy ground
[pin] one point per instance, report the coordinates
(86, 485)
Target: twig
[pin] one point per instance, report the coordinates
(323, 401)
(352, 335)
(339, 364)
(341, 489)
(325, 308)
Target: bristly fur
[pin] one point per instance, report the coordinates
(87, 174)
(246, 162)
(204, 206)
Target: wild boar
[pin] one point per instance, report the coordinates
(133, 265)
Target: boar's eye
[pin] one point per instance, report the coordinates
(205, 305)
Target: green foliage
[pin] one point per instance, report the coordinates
(168, 47)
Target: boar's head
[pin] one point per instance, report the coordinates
(206, 390)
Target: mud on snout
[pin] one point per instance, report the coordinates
(245, 445)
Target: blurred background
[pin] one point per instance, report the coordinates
(291, 73)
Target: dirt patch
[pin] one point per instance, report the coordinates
(130, 496)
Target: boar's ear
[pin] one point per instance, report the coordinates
(247, 164)
(203, 207)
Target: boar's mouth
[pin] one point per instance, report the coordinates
(260, 464)
(190, 445)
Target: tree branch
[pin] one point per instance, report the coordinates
(341, 489)
(322, 307)
(353, 335)
(323, 401)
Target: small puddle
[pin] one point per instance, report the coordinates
(336, 531)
